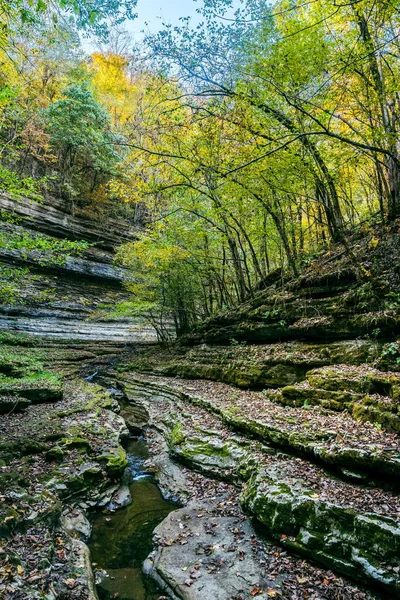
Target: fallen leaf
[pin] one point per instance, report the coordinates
(256, 592)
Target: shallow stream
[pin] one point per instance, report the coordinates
(122, 540)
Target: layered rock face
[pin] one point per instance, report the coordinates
(68, 298)
(51, 217)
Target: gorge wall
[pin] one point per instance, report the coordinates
(71, 298)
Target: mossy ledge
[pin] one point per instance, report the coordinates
(305, 509)
(318, 445)
(365, 547)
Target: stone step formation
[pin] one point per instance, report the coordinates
(347, 519)
(263, 513)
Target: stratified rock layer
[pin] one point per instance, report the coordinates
(73, 297)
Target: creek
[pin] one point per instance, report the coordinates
(122, 540)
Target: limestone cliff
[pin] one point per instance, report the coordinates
(68, 298)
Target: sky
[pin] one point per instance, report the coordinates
(152, 13)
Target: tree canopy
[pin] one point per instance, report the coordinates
(245, 145)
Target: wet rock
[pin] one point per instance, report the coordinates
(135, 417)
(200, 555)
(169, 476)
(121, 498)
(81, 565)
(115, 460)
(75, 523)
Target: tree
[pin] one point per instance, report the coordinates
(89, 15)
(79, 129)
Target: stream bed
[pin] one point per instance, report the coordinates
(122, 540)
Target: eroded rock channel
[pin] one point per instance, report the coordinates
(157, 486)
(121, 541)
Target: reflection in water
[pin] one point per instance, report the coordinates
(121, 541)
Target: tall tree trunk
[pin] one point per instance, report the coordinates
(389, 115)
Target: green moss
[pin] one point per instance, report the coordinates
(198, 447)
(78, 442)
(116, 461)
(248, 467)
(43, 388)
(177, 436)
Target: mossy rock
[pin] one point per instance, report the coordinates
(10, 404)
(324, 531)
(208, 454)
(56, 453)
(362, 379)
(79, 443)
(24, 447)
(36, 390)
(298, 395)
(115, 460)
(386, 419)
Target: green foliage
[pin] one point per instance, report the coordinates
(77, 123)
(12, 184)
(90, 15)
(391, 352)
(240, 142)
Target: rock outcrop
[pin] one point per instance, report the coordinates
(336, 520)
(71, 297)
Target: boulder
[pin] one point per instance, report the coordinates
(10, 404)
(200, 555)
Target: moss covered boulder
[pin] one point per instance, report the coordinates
(37, 390)
(13, 403)
(363, 546)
